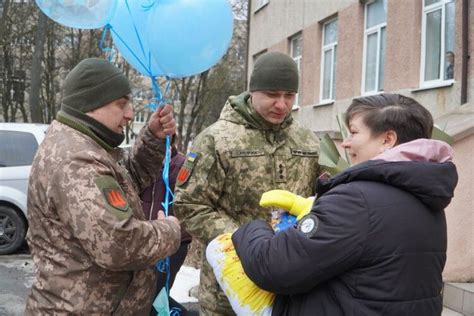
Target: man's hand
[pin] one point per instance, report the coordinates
(162, 122)
(161, 215)
(294, 204)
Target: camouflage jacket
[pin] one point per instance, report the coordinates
(93, 249)
(230, 165)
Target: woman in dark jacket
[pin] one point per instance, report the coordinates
(375, 240)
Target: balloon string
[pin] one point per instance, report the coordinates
(165, 176)
(108, 50)
(145, 7)
(145, 64)
(163, 266)
(158, 98)
(160, 101)
(136, 33)
(132, 52)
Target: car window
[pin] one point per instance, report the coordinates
(17, 148)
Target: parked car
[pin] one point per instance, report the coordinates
(18, 145)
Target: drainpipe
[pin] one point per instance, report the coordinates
(465, 49)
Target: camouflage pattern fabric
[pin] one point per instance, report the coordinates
(93, 249)
(230, 165)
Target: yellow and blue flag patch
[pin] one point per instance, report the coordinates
(187, 168)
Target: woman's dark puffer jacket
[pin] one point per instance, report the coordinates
(379, 246)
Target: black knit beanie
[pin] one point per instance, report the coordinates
(274, 71)
(93, 83)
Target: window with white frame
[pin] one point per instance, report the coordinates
(437, 53)
(260, 4)
(328, 62)
(374, 46)
(296, 52)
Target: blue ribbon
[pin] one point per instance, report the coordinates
(164, 264)
(146, 67)
(158, 101)
(158, 98)
(145, 64)
(107, 50)
(286, 221)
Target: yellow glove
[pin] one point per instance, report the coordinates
(294, 204)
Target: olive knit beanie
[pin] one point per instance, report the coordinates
(274, 71)
(93, 83)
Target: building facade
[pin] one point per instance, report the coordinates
(349, 48)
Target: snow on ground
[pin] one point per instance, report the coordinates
(187, 278)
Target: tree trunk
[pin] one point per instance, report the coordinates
(50, 88)
(7, 84)
(196, 107)
(36, 69)
(3, 19)
(183, 88)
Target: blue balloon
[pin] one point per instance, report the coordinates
(82, 14)
(129, 29)
(187, 37)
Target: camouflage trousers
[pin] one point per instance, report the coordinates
(212, 300)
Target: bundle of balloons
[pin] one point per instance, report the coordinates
(170, 38)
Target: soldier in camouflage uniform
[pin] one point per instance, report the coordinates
(255, 146)
(93, 249)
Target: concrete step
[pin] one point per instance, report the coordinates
(459, 298)
(449, 312)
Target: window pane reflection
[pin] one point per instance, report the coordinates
(376, 13)
(371, 62)
(433, 45)
(382, 59)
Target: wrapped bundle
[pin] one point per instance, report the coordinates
(244, 296)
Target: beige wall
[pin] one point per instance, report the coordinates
(402, 67)
(280, 19)
(460, 216)
(311, 59)
(350, 49)
(274, 24)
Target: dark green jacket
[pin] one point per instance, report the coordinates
(230, 165)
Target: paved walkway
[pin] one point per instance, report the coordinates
(17, 276)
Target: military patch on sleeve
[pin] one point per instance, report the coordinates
(308, 225)
(114, 196)
(187, 168)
